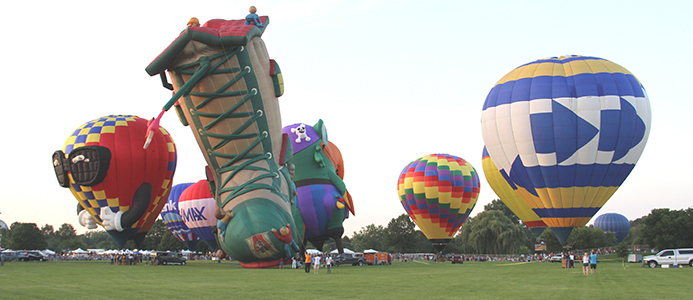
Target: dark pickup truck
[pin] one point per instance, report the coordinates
(165, 258)
(355, 259)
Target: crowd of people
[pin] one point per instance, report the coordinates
(311, 261)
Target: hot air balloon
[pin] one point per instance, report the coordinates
(122, 186)
(507, 194)
(566, 130)
(322, 197)
(226, 88)
(197, 206)
(616, 223)
(438, 191)
(173, 220)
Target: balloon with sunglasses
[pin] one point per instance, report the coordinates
(120, 185)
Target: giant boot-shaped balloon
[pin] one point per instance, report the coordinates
(226, 87)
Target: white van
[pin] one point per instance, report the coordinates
(671, 257)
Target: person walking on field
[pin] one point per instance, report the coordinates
(593, 262)
(585, 264)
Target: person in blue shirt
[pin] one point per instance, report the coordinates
(593, 262)
(253, 18)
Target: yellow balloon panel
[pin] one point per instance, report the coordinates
(508, 195)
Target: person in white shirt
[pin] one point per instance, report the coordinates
(328, 264)
(316, 264)
(585, 263)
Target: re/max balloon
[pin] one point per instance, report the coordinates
(173, 220)
(197, 205)
(613, 222)
(122, 186)
(438, 191)
(507, 194)
(567, 131)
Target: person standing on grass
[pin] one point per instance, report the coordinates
(593, 262)
(572, 260)
(316, 264)
(585, 264)
(308, 261)
(328, 263)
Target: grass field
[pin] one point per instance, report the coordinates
(411, 280)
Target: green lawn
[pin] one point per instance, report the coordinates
(411, 280)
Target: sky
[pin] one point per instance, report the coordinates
(392, 80)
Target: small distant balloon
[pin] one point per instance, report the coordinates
(613, 222)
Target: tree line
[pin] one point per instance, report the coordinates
(496, 230)
(28, 236)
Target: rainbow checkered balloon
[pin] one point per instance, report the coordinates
(438, 191)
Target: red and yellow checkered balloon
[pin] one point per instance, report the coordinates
(130, 167)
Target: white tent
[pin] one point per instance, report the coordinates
(346, 250)
(48, 252)
(79, 251)
(313, 251)
(370, 251)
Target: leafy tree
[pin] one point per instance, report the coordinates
(553, 245)
(369, 237)
(422, 244)
(460, 243)
(664, 228)
(634, 232)
(202, 247)
(98, 239)
(65, 238)
(492, 232)
(499, 205)
(49, 235)
(525, 250)
(590, 237)
(26, 236)
(5, 237)
(400, 234)
(170, 242)
(622, 249)
(155, 234)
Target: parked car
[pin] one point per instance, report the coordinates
(165, 258)
(31, 255)
(556, 258)
(457, 259)
(355, 259)
(670, 257)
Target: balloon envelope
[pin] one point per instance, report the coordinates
(616, 223)
(130, 167)
(197, 206)
(567, 131)
(507, 194)
(438, 191)
(174, 221)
